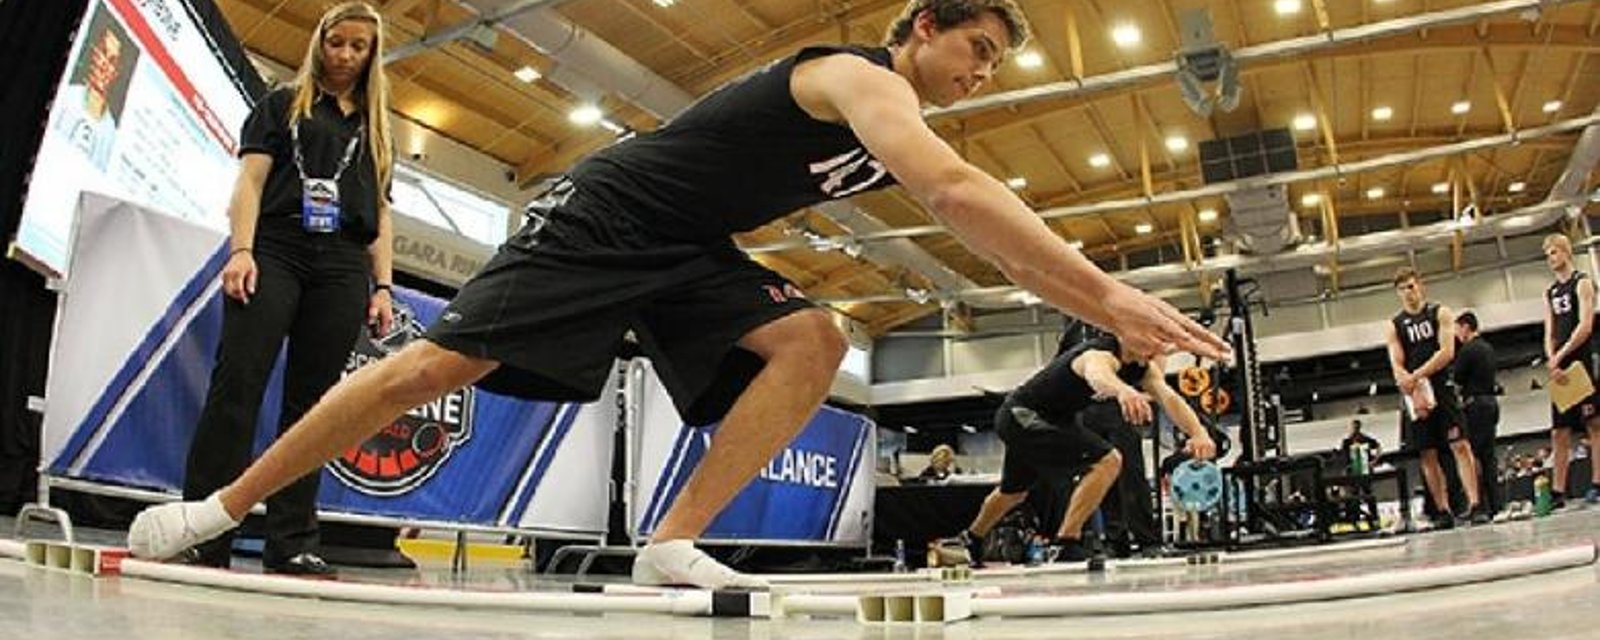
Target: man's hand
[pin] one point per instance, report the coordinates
(1135, 405)
(1558, 375)
(1201, 448)
(1407, 383)
(1148, 325)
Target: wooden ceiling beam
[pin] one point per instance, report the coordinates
(1074, 40)
(1565, 37)
(1500, 97)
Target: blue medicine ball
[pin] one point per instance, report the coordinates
(1197, 485)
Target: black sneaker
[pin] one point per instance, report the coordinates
(1068, 550)
(194, 558)
(304, 564)
(974, 544)
(1444, 522)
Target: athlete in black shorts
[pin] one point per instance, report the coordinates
(639, 238)
(1039, 423)
(1421, 340)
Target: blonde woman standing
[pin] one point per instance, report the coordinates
(309, 260)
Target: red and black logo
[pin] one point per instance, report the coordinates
(408, 451)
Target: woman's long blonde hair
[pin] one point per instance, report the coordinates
(371, 90)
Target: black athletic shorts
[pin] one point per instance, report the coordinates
(1036, 446)
(1577, 416)
(1443, 425)
(554, 303)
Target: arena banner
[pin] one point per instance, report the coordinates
(818, 490)
(140, 319)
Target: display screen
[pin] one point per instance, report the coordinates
(147, 111)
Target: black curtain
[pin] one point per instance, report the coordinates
(34, 40)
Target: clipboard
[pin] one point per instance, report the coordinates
(1578, 387)
(1425, 392)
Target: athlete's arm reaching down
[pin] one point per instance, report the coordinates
(883, 110)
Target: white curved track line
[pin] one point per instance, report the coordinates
(1269, 594)
(1314, 550)
(680, 602)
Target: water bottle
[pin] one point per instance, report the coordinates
(900, 556)
(1543, 502)
(1036, 550)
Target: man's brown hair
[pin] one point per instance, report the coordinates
(1404, 274)
(949, 13)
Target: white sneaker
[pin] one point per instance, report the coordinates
(677, 562)
(164, 531)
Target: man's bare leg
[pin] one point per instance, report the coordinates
(1593, 496)
(1086, 497)
(350, 412)
(1560, 458)
(995, 506)
(1467, 469)
(802, 353)
(1433, 477)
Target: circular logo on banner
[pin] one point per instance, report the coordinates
(409, 450)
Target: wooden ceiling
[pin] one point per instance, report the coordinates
(1516, 70)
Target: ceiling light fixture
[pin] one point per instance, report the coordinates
(586, 115)
(527, 74)
(1126, 35)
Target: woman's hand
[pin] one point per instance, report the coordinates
(239, 276)
(380, 312)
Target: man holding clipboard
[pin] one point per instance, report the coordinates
(1422, 343)
(1568, 325)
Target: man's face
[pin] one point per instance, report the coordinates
(1410, 292)
(1557, 257)
(954, 62)
(103, 59)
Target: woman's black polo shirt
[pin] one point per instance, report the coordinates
(323, 139)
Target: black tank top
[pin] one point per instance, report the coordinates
(1058, 393)
(1419, 340)
(1563, 300)
(738, 158)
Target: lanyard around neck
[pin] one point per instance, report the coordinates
(344, 163)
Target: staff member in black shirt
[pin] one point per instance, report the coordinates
(310, 260)
(640, 239)
(1474, 378)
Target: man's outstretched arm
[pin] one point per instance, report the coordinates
(883, 110)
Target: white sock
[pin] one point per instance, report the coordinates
(679, 562)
